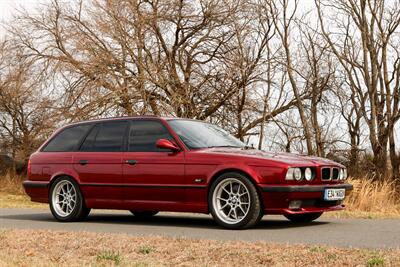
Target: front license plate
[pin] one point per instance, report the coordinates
(334, 194)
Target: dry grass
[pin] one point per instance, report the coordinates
(51, 248)
(369, 199)
(11, 184)
(12, 194)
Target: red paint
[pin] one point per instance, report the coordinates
(166, 144)
(178, 180)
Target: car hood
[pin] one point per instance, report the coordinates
(287, 158)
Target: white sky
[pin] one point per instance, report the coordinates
(7, 7)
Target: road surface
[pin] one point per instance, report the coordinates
(325, 231)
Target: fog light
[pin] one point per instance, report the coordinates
(295, 204)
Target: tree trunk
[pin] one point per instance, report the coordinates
(380, 159)
(394, 158)
(14, 148)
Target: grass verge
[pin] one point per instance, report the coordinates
(370, 200)
(55, 248)
(12, 194)
(8, 200)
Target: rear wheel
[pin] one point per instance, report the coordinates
(303, 218)
(66, 200)
(143, 214)
(234, 202)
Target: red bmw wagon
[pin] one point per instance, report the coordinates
(151, 164)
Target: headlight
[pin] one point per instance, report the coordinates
(297, 174)
(294, 174)
(289, 174)
(308, 174)
(344, 174)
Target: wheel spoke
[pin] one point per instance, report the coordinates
(235, 213)
(231, 187)
(245, 193)
(224, 206)
(240, 207)
(238, 190)
(225, 190)
(223, 199)
(229, 213)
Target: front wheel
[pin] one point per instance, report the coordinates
(66, 200)
(234, 202)
(303, 218)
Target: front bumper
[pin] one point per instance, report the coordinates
(276, 198)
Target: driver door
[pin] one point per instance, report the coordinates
(151, 174)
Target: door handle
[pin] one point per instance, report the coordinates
(83, 162)
(130, 162)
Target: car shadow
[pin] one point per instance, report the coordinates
(164, 220)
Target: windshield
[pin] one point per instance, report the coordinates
(198, 134)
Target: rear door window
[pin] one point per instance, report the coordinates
(68, 139)
(106, 137)
(143, 136)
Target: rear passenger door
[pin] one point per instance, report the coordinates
(151, 174)
(99, 163)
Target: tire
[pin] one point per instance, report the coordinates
(76, 209)
(303, 218)
(227, 199)
(143, 214)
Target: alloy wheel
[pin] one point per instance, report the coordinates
(64, 198)
(231, 200)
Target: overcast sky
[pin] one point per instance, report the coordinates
(8, 6)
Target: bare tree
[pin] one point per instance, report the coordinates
(26, 113)
(366, 46)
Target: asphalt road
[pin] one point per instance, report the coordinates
(325, 231)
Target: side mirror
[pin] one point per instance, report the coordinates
(166, 144)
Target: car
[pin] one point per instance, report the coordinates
(148, 164)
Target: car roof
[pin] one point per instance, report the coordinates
(127, 118)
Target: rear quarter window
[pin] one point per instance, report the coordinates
(105, 137)
(68, 139)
